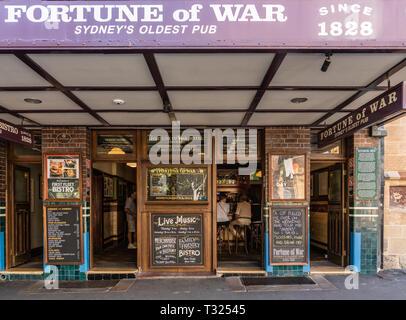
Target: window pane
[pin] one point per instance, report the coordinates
(114, 144)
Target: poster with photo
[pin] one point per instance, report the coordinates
(288, 177)
(62, 177)
(177, 184)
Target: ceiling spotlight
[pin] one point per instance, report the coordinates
(31, 100)
(118, 101)
(326, 62)
(298, 100)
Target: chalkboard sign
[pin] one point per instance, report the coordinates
(63, 230)
(288, 236)
(177, 184)
(177, 239)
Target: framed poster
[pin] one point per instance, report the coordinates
(323, 183)
(288, 177)
(366, 173)
(62, 177)
(177, 184)
(288, 241)
(108, 187)
(63, 230)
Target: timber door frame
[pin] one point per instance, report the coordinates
(12, 162)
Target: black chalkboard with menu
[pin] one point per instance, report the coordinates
(288, 236)
(63, 235)
(177, 239)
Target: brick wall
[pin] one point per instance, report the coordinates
(364, 214)
(289, 140)
(395, 212)
(293, 140)
(79, 143)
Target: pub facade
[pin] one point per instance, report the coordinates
(172, 114)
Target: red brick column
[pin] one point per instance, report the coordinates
(76, 140)
(286, 140)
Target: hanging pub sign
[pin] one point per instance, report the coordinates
(288, 236)
(62, 177)
(177, 239)
(63, 235)
(210, 23)
(385, 107)
(17, 134)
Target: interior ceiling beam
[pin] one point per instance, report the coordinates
(17, 115)
(197, 88)
(178, 111)
(373, 84)
(269, 75)
(44, 74)
(156, 75)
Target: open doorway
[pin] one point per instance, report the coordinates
(239, 198)
(113, 183)
(26, 217)
(328, 219)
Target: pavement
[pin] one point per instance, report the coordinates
(387, 286)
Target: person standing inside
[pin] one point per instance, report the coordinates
(242, 215)
(131, 211)
(223, 211)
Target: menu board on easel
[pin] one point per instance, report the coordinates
(288, 236)
(177, 239)
(63, 234)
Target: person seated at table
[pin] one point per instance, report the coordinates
(223, 211)
(242, 215)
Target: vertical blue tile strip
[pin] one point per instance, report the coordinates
(355, 250)
(268, 268)
(306, 268)
(2, 251)
(85, 266)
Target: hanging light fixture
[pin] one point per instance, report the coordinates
(116, 150)
(132, 164)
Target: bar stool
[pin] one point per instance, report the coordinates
(222, 230)
(239, 229)
(256, 235)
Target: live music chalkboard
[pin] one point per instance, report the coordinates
(63, 230)
(177, 239)
(288, 236)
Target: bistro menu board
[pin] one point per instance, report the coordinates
(177, 239)
(366, 176)
(177, 183)
(288, 230)
(63, 234)
(62, 177)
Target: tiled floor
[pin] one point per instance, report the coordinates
(116, 258)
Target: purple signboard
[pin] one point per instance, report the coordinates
(385, 107)
(17, 134)
(203, 24)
